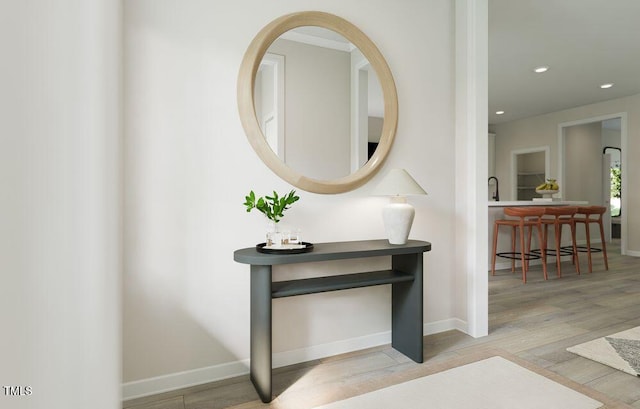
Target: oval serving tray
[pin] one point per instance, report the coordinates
(262, 249)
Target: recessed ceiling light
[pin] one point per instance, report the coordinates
(541, 69)
(499, 112)
(607, 85)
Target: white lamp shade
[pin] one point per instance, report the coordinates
(398, 215)
(398, 182)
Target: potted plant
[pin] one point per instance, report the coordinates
(273, 207)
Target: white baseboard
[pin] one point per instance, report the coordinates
(185, 379)
(445, 325)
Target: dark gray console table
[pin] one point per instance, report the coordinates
(405, 276)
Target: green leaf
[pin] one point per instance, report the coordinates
(272, 207)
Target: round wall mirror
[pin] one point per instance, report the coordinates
(318, 102)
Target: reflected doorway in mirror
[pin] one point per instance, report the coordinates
(270, 101)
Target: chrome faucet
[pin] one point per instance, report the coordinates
(496, 195)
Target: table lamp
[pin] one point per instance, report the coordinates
(398, 214)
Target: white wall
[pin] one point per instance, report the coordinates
(611, 137)
(188, 166)
(543, 130)
(60, 203)
(470, 164)
(583, 169)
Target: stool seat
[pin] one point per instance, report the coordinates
(587, 215)
(559, 216)
(522, 217)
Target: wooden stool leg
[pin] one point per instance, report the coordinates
(604, 245)
(576, 260)
(543, 245)
(495, 249)
(529, 246)
(560, 227)
(586, 228)
(546, 237)
(513, 249)
(558, 260)
(522, 250)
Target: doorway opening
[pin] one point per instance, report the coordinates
(592, 163)
(615, 176)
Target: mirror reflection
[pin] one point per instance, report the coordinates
(319, 103)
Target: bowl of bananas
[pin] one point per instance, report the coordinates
(548, 188)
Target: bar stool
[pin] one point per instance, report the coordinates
(559, 216)
(587, 215)
(526, 217)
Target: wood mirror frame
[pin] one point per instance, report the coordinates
(246, 88)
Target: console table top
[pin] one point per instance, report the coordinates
(333, 251)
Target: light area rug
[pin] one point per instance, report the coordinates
(620, 350)
(492, 383)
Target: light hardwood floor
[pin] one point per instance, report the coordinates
(536, 322)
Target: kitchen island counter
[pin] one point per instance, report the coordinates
(506, 203)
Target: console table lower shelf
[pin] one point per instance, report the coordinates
(405, 277)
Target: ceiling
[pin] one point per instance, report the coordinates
(584, 43)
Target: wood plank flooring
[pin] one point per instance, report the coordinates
(536, 322)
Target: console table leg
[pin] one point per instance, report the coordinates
(406, 307)
(260, 365)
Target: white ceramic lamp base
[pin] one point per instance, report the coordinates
(398, 218)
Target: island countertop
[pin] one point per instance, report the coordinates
(513, 203)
